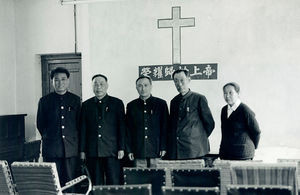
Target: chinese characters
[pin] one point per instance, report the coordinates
(164, 72)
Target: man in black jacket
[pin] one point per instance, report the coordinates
(58, 123)
(240, 129)
(102, 133)
(146, 119)
(191, 121)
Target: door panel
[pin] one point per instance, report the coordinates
(71, 62)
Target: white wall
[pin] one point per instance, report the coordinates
(42, 27)
(256, 44)
(7, 58)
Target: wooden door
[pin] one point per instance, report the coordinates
(72, 62)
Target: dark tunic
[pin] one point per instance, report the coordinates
(240, 133)
(58, 124)
(102, 127)
(191, 125)
(146, 127)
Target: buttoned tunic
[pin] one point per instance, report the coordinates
(191, 125)
(58, 124)
(102, 132)
(147, 123)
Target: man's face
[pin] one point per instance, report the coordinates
(60, 83)
(144, 87)
(230, 95)
(181, 82)
(100, 87)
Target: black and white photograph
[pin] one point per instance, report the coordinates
(150, 97)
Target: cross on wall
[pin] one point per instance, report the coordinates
(176, 23)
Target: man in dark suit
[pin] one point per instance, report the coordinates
(147, 119)
(240, 129)
(58, 123)
(102, 134)
(191, 121)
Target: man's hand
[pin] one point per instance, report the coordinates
(82, 156)
(162, 153)
(130, 156)
(120, 154)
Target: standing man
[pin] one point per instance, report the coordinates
(58, 123)
(191, 121)
(147, 119)
(240, 129)
(102, 134)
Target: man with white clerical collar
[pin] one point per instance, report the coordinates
(240, 129)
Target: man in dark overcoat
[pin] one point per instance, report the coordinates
(191, 121)
(147, 121)
(58, 123)
(102, 134)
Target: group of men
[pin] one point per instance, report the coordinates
(102, 133)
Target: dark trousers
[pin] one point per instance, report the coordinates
(105, 170)
(66, 168)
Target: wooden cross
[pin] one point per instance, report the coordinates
(176, 22)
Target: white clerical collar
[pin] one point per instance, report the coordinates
(235, 105)
(230, 109)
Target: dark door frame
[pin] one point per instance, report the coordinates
(62, 58)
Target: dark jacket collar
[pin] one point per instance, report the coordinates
(103, 100)
(188, 94)
(147, 100)
(60, 96)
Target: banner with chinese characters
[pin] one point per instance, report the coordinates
(164, 72)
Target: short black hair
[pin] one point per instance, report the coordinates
(144, 77)
(186, 72)
(59, 70)
(99, 75)
(233, 84)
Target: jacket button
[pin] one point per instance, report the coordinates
(62, 117)
(146, 128)
(63, 137)
(62, 127)
(146, 137)
(62, 107)
(99, 126)
(99, 135)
